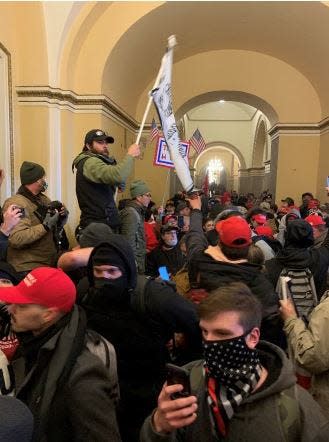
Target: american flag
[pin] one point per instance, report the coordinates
(154, 131)
(197, 141)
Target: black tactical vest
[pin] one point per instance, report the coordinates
(96, 200)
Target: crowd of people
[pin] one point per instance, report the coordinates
(230, 288)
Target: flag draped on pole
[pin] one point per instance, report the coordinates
(197, 141)
(205, 184)
(154, 131)
(162, 97)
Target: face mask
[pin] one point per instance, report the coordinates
(230, 361)
(171, 242)
(44, 185)
(112, 288)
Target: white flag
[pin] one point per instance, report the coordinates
(162, 98)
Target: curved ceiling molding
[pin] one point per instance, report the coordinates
(238, 96)
(217, 145)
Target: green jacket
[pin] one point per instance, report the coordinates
(95, 170)
(310, 346)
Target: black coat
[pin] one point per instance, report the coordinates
(317, 260)
(214, 274)
(139, 335)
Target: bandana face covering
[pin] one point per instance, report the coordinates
(232, 372)
(230, 361)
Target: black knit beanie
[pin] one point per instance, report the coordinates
(106, 255)
(31, 172)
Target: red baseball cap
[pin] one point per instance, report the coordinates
(264, 231)
(315, 220)
(46, 286)
(234, 232)
(259, 218)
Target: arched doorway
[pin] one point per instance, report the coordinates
(221, 164)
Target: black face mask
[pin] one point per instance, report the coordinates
(112, 289)
(231, 360)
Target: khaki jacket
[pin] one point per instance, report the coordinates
(30, 245)
(310, 345)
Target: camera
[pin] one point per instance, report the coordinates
(53, 206)
(21, 210)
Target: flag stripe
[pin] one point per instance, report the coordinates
(154, 130)
(197, 141)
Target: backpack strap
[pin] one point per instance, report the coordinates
(138, 296)
(289, 413)
(104, 350)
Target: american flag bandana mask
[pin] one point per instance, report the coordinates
(232, 363)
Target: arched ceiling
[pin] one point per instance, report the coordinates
(218, 111)
(294, 32)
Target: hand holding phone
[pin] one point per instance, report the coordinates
(178, 375)
(163, 272)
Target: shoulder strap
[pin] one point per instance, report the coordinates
(104, 350)
(138, 299)
(290, 417)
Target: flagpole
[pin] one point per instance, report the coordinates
(171, 43)
(164, 193)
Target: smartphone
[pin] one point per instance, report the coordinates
(178, 375)
(163, 272)
(180, 221)
(327, 181)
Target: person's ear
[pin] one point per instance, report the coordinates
(50, 314)
(252, 338)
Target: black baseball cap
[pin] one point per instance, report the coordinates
(98, 135)
(289, 201)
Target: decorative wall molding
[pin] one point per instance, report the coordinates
(252, 171)
(301, 129)
(66, 99)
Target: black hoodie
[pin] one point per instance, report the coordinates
(297, 254)
(139, 337)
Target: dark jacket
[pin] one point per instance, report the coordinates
(139, 323)
(172, 258)
(3, 246)
(213, 274)
(132, 228)
(261, 415)
(67, 388)
(316, 259)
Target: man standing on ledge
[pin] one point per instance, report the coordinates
(98, 175)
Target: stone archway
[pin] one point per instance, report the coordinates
(231, 160)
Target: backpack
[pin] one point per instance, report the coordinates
(302, 290)
(104, 350)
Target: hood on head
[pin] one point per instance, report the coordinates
(119, 245)
(299, 234)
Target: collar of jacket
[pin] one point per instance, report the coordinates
(216, 254)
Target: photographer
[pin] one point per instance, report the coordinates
(34, 240)
(8, 221)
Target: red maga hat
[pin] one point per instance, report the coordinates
(234, 232)
(46, 286)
